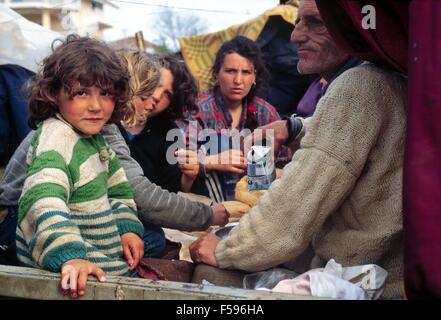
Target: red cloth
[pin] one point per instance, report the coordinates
(422, 168)
(385, 45)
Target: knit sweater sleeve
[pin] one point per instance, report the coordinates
(156, 205)
(322, 173)
(44, 217)
(15, 174)
(121, 199)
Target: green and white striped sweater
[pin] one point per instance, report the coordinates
(76, 201)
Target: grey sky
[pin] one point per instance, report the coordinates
(136, 15)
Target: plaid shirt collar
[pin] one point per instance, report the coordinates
(220, 107)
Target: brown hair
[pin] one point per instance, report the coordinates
(144, 77)
(83, 59)
(185, 89)
(251, 51)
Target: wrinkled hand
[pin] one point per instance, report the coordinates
(202, 250)
(227, 161)
(133, 248)
(188, 162)
(220, 215)
(275, 134)
(74, 275)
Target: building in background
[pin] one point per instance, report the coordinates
(131, 43)
(84, 17)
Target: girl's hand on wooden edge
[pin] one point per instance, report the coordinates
(74, 274)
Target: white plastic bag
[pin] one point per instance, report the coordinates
(23, 42)
(356, 283)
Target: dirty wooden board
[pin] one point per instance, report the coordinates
(18, 282)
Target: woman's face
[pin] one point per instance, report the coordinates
(236, 77)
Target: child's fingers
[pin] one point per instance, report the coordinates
(68, 278)
(73, 278)
(82, 281)
(135, 255)
(65, 275)
(128, 256)
(98, 273)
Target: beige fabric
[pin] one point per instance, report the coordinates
(342, 190)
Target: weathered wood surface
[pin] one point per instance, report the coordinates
(18, 282)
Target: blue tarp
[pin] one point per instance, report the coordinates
(13, 109)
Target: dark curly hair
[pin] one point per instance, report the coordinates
(185, 89)
(251, 51)
(83, 59)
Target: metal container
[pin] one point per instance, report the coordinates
(223, 232)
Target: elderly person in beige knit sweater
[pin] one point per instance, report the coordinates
(341, 193)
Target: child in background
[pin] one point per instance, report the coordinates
(76, 212)
(144, 78)
(175, 95)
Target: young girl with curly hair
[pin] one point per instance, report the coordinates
(76, 211)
